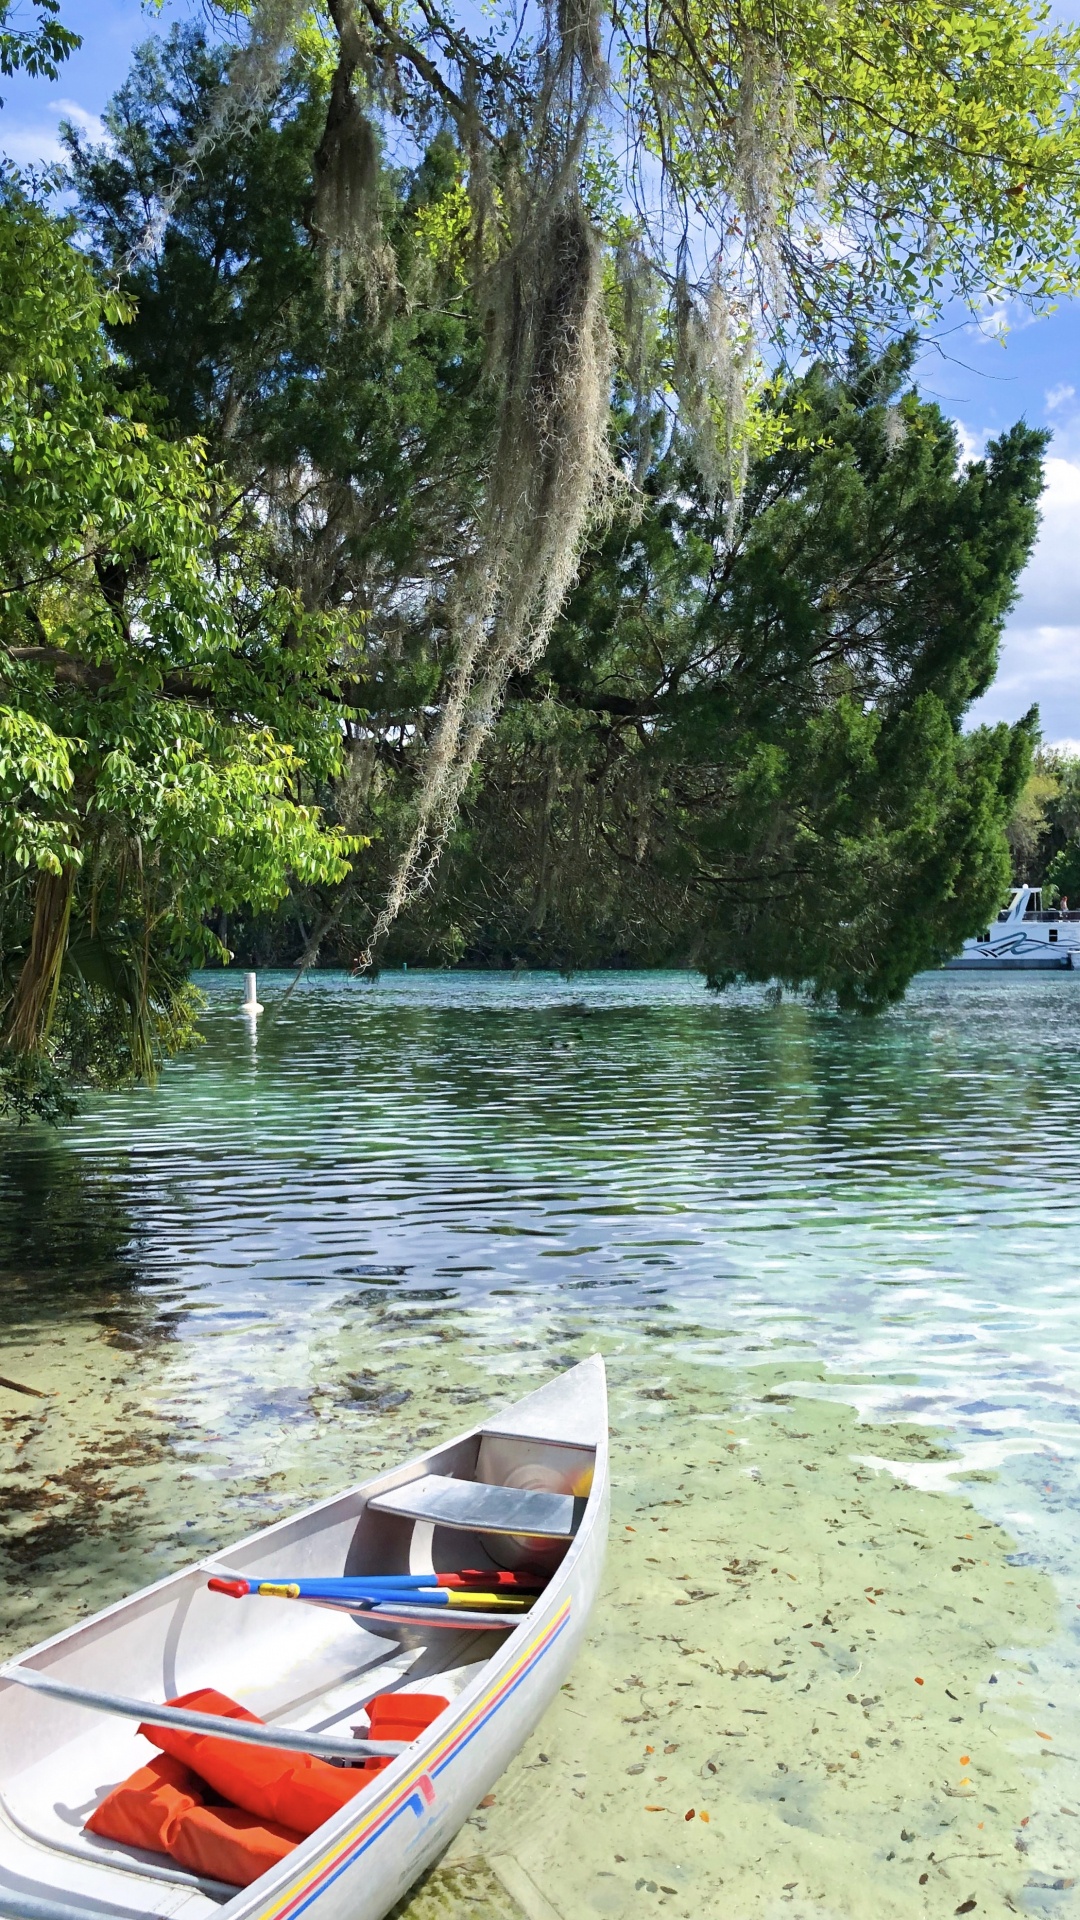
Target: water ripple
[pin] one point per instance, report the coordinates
(899, 1198)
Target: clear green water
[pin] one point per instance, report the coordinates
(527, 1154)
(391, 1204)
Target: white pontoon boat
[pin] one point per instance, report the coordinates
(1024, 937)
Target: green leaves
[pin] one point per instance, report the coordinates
(743, 748)
(886, 157)
(148, 674)
(212, 803)
(36, 775)
(39, 49)
(747, 757)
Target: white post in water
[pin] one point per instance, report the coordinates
(251, 1003)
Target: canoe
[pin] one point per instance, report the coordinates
(308, 1670)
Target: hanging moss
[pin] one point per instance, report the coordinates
(551, 478)
(345, 218)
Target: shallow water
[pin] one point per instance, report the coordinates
(389, 1205)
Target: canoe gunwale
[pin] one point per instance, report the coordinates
(27, 1906)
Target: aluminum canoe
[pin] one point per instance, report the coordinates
(310, 1670)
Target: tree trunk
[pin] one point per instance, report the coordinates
(34, 1002)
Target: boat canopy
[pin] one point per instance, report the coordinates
(1022, 901)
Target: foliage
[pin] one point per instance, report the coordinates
(748, 757)
(1044, 832)
(356, 441)
(886, 157)
(729, 181)
(34, 1087)
(851, 162)
(39, 49)
(740, 747)
(161, 706)
(352, 437)
(1029, 823)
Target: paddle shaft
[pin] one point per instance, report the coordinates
(410, 1608)
(331, 1586)
(464, 1620)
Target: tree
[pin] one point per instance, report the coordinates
(1044, 831)
(727, 183)
(1029, 826)
(355, 439)
(724, 702)
(162, 715)
(38, 49)
(745, 755)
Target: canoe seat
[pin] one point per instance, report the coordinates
(479, 1508)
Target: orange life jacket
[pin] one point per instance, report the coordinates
(144, 1809)
(225, 1843)
(401, 1716)
(294, 1790)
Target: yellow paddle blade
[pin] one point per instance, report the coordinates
(508, 1602)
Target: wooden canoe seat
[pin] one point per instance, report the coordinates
(478, 1508)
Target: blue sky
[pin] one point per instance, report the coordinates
(983, 379)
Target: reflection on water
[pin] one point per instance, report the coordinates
(68, 1243)
(376, 1210)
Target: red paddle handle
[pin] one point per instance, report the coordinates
(523, 1582)
(238, 1589)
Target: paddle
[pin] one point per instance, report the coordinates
(352, 1595)
(336, 1587)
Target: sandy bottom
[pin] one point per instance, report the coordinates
(811, 1687)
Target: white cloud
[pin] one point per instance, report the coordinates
(1040, 652)
(36, 143)
(31, 144)
(1039, 665)
(1050, 585)
(997, 315)
(91, 123)
(1057, 396)
(972, 441)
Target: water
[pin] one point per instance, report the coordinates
(386, 1205)
(901, 1196)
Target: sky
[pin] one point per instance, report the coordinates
(985, 376)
